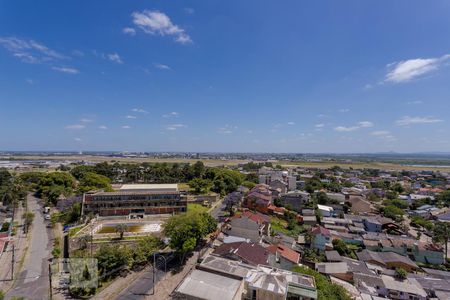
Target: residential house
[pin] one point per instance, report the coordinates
(389, 260)
(267, 283)
(401, 289)
(335, 269)
(283, 257)
(325, 211)
(245, 227)
(248, 253)
(322, 238)
(259, 198)
(295, 199)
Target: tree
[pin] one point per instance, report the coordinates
(441, 235)
(393, 212)
(112, 258)
(5, 176)
(444, 197)
(145, 249)
(84, 241)
(325, 289)
(121, 229)
(92, 181)
(185, 231)
(401, 273)
(28, 220)
(200, 186)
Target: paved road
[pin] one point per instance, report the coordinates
(142, 287)
(218, 210)
(32, 282)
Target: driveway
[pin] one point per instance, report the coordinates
(33, 282)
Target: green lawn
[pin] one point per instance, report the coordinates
(196, 208)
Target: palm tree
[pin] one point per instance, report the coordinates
(84, 241)
(121, 228)
(441, 235)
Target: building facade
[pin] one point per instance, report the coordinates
(136, 201)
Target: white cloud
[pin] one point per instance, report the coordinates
(384, 135)
(162, 67)
(173, 127)
(189, 10)
(29, 51)
(66, 70)
(115, 58)
(407, 70)
(290, 123)
(344, 110)
(86, 120)
(78, 139)
(346, 129)
(171, 114)
(227, 129)
(130, 117)
(380, 133)
(140, 110)
(407, 120)
(321, 125)
(103, 127)
(365, 124)
(129, 31)
(362, 124)
(415, 102)
(29, 81)
(156, 22)
(126, 127)
(75, 127)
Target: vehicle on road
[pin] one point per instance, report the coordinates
(47, 217)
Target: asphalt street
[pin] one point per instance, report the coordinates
(33, 282)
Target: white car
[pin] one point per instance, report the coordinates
(47, 217)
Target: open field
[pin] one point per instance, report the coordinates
(217, 162)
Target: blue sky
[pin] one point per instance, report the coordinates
(258, 76)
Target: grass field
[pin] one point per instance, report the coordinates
(196, 208)
(217, 162)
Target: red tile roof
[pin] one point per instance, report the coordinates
(258, 218)
(285, 252)
(321, 230)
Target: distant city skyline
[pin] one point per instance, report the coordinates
(225, 76)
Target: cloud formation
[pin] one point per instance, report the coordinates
(362, 124)
(29, 51)
(227, 129)
(129, 31)
(173, 127)
(75, 127)
(171, 114)
(162, 67)
(156, 22)
(115, 58)
(408, 120)
(139, 110)
(66, 70)
(408, 70)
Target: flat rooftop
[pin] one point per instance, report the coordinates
(149, 187)
(205, 285)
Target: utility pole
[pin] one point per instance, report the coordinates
(12, 262)
(50, 280)
(154, 263)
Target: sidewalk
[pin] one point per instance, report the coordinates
(165, 287)
(20, 240)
